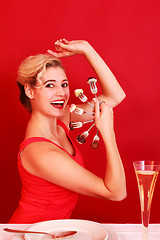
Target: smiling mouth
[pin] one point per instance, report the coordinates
(58, 104)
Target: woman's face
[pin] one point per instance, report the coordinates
(52, 97)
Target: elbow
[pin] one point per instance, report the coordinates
(119, 196)
(119, 99)
(123, 96)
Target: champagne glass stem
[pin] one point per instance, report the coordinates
(144, 233)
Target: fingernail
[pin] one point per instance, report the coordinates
(94, 99)
(49, 51)
(57, 42)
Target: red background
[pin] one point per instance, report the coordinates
(126, 34)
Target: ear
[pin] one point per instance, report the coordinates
(29, 91)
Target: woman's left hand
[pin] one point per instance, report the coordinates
(67, 48)
(104, 118)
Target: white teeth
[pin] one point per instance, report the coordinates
(57, 102)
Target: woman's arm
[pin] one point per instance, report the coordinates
(112, 92)
(114, 175)
(47, 161)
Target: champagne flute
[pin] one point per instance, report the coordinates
(146, 173)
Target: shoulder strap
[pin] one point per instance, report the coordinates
(27, 141)
(59, 122)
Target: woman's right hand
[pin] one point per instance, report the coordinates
(67, 48)
(104, 118)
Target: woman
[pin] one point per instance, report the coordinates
(50, 165)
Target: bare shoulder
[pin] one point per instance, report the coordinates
(42, 155)
(52, 164)
(48, 162)
(40, 149)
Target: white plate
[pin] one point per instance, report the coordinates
(86, 230)
(112, 235)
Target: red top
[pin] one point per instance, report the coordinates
(42, 200)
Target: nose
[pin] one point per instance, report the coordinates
(59, 91)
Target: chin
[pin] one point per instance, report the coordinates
(60, 114)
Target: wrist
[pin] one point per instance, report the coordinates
(87, 49)
(108, 136)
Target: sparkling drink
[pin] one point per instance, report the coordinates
(146, 173)
(146, 182)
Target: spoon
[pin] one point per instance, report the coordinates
(54, 236)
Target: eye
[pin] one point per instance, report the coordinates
(65, 85)
(49, 85)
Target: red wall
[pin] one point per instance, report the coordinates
(126, 34)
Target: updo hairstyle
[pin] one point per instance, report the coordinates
(30, 71)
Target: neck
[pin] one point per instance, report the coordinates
(40, 125)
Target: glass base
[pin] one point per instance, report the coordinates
(145, 233)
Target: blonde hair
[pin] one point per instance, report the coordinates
(31, 70)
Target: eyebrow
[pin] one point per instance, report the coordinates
(52, 80)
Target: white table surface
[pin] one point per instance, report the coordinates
(116, 231)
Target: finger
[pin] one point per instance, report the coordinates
(57, 55)
(96, 106)
(58, 48)
(60, 44)
(65, 41)
(52, 53)
(63, 54)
